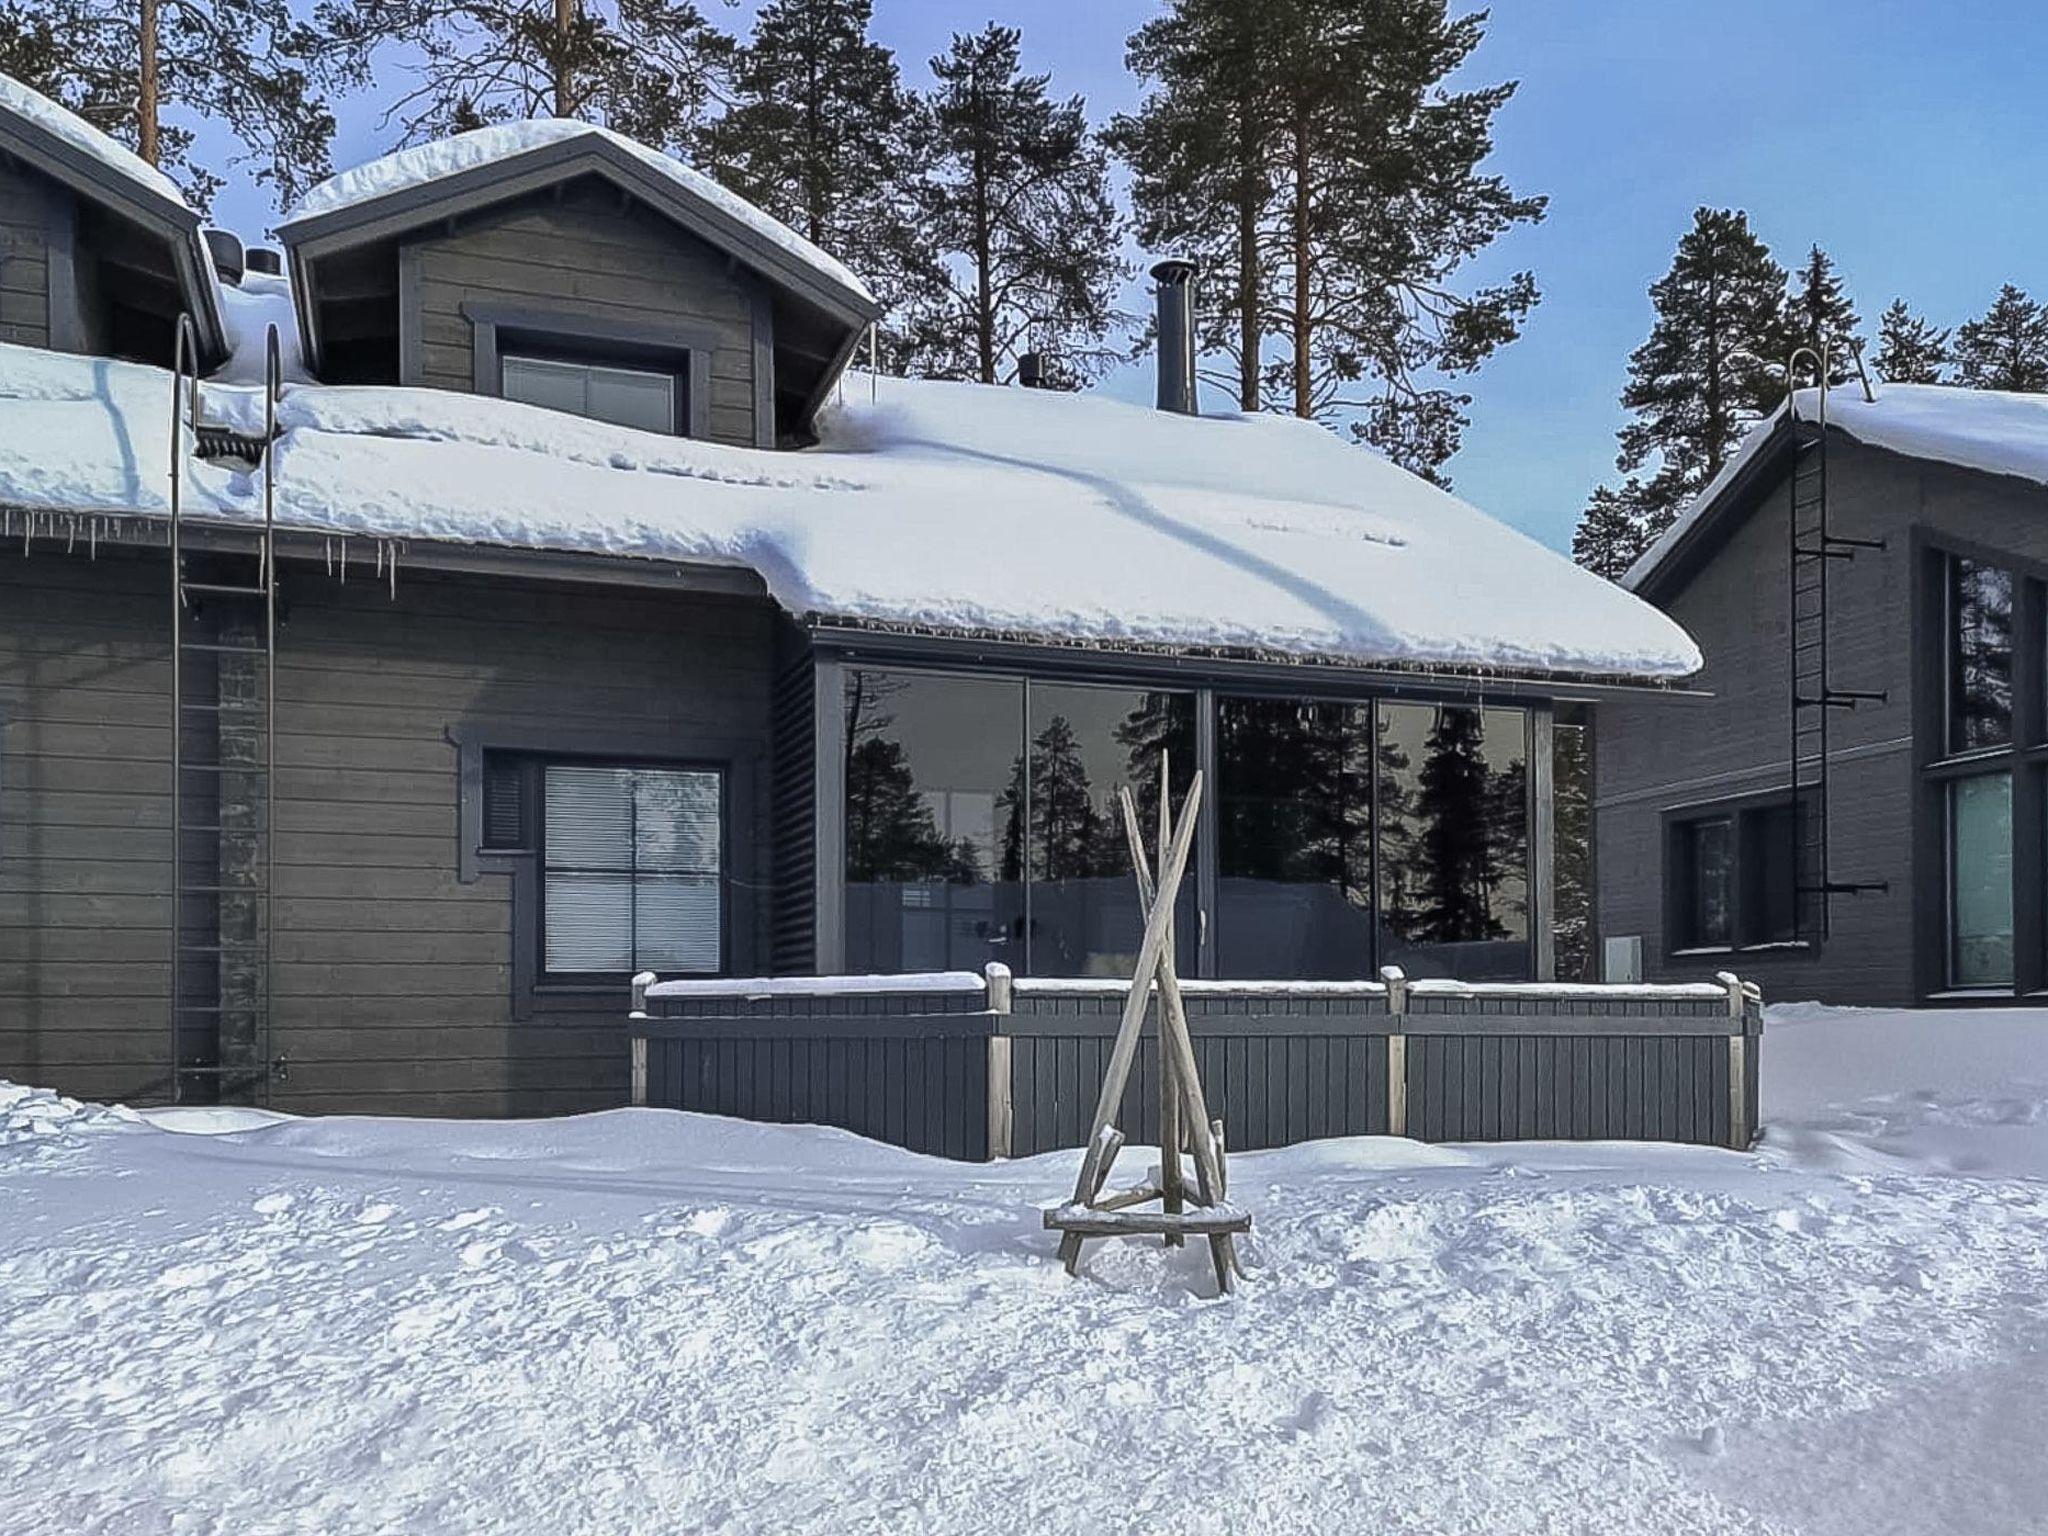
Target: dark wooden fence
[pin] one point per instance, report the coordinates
(975, 1067)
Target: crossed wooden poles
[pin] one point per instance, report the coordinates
(1183, 1111)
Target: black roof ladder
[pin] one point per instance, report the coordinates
(223, 761)
(1815, 547)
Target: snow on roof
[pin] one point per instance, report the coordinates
(951, 507)
(424, 163)
(1998, 432)
(61, 122)
(260, 300)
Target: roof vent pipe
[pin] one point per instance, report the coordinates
(1176, 298)
(225, 247)
(264, 259)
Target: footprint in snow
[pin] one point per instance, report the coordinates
(464, 1220)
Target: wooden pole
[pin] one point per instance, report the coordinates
(1170, 1090)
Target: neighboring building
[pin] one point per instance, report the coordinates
(1925, 810)
(722, 663)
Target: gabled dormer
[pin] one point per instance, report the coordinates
(561, 264)
(98, 252)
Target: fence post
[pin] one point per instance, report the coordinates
(1740, 1129)
(1000, 1112)
(1397, 1049)
(640, 985)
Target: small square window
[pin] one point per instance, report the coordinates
(632, 874)
(628, 397)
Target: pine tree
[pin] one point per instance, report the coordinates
(652, 69)
(1202, 150)
(1573, 865)
(891, 833)
(1310, 150)
(1019, 194)
(1822, 316)
(1910, 350)
(2007, 348)
(250, 66)
(1614, 531)
(1712, 366)
(1453, 855)
(823, 135)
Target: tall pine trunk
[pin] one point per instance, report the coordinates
(1304, 403)
(984, 252)
(1250, 289)
(565, 86)
(147, 144)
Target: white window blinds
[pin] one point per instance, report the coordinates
(631, 871)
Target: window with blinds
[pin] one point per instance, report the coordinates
(631, 870)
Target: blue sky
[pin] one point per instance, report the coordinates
(1905, 137)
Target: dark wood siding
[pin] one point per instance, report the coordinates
(1656, 757)
(24, 258)
(589, 255)
(395, 979)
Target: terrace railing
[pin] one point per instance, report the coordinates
(976, 1066)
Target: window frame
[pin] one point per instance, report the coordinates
(547, 356)
(1940, 763)
(538, 819)
(568, 334)
(1741, 813)
(741, 760)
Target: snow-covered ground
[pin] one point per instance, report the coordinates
(647, 1321)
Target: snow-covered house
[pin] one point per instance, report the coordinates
(621, 627)
(1919, 779)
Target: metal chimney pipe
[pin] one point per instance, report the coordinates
(1176, 297)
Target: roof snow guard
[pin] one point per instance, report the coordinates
(429, 184)
(57, 143)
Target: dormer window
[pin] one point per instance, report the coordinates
(626, 397)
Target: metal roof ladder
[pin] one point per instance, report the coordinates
(223, 765)
(1815, 548)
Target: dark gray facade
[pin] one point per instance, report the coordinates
(404, 968)
(1666, 765)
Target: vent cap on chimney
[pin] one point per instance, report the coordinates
(263, 259)
(225, 247)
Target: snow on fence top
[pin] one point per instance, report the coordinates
(1995, 431)
(949, 507)
(743, 987)
(424, 163)
(61, 122)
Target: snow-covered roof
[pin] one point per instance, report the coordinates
(949, 507)
(62, 123)
(445, 159)
(1995, 431)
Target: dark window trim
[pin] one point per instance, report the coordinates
(8, 703)
(740, 759)
(547, 980)
(1732, 809)
(587, 334)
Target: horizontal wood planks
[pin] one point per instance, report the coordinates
(394, 978)
(24, 259)
(601, 260)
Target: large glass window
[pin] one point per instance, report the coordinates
(1980, 639)
(1294, 855)
(1980, 926)
(631, 870)
(627, 397)
(1086, 743)
(980, 826)
(934, 881)
(1454, 840)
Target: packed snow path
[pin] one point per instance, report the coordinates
(643, 1320)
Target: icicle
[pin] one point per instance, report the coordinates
(71, 535)
(93, 539)
(394, 573)
(328, 546)
(344, 562)
(380, 559)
